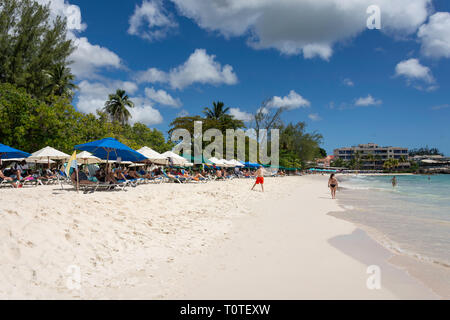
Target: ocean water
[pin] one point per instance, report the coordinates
(412, 219)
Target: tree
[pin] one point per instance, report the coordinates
(391, 164)
(30, 124)
(31, 42)
(61, 81)
(116, 106)
(305, 146)
(338, 163)
(217, 112)
(425, 151)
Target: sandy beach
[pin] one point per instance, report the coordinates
(192, 241)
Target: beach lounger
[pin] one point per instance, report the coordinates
(7, 184)
(170, 179)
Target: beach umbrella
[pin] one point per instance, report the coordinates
(236, 163)
(217, 162)
(8, 153)
(153, 156)
(229, 163)
(87, 158)
(176, 159)
(111, 149)
(48, 153)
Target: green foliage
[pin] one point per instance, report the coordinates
(296, 142)
(426, 151)
(29, 124)
(31, 43)
(217, 112)
(117, 105)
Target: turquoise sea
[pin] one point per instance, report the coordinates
(412, 218)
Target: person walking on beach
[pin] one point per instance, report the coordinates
(259, 178)
(333, 185)
(394, 181)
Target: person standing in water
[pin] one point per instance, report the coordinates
(394, 181)
(259, 178)
(333, 185)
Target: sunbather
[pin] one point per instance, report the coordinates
(9, 179)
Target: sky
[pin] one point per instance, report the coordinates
(318, 59)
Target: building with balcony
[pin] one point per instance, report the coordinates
(372, 155)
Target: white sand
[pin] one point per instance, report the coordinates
(205, 241)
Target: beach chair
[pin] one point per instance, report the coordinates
(7, 184)
(170, 179)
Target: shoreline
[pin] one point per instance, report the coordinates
(434, 274)
(197, 241)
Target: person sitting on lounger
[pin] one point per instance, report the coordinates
(82, 178)
(9, 179)
(219, 174)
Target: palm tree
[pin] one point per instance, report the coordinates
(117, 105)
(61, 81)
(217, 112)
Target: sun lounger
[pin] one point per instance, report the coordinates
(7, 184)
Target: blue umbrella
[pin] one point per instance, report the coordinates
(11, 153)
(111, 149)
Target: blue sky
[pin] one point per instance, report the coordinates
(352, 84)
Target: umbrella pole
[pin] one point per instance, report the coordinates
(78, 182)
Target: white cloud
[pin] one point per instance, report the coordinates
(314, 117)
(151, 21)
(93, 96)
(435, 36)
(88, 58)
(241, 115)
(348, 82)
(144, 112)
(70, 11)
(292, 101)
(199, 68)
(162, 97)
(367, 101)
(308, 27)
(411, 69)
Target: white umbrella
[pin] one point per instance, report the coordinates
(176, 159)
(229, 163)
(218, 162)
(48, 153)
(88, 158)
(152, 155)
(236, 163)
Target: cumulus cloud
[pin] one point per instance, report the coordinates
(87, 58)
(292, 101)
(93, 96)
(367, 101)
(162, 97)
(314, 117)
(151, 21)
(303, 27)
(241, 115)
(412, 70)
(435, 36)
(64, 9)
(199, 68)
